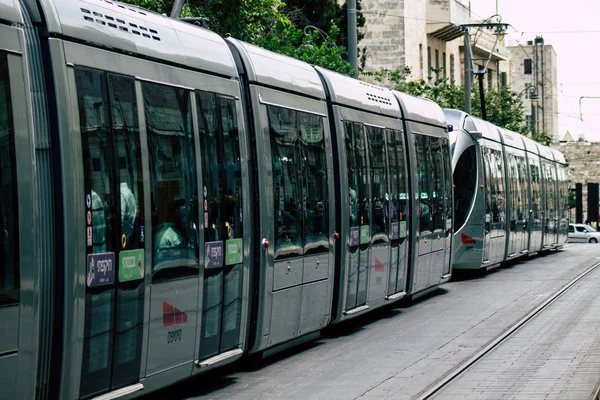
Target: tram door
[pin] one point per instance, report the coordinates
(398, 209)
(487, 187)
(222, 210)
(448, 204)
(11, 266)
(549, 211)
(114, 208)
(513, 199)
(380, 203)
(535, 216)
(360, 215)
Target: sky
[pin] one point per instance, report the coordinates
(573, 29)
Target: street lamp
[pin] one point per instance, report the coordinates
(534, 104)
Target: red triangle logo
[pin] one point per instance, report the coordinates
(379, 267)
(172, 315)
(168, 314)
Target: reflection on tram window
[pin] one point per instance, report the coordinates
(125, 130)
(316, 225)
(424, 176)
(174, 194)
(352, 173)
(287, 181)
(232, 186)
(379, 180)
(9, 249)
(437, 199)
(300, 188)
(94, 126)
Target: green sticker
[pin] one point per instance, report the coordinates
(131, 265)
(234, 251)
(364, 234)
(402, 229)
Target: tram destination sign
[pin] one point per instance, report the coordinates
(100, 269)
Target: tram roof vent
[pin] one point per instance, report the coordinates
(379, 99)
(117, 22)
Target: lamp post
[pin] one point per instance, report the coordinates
(534, 104)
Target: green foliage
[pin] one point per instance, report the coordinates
(311, 48)
(504, 107)
(264, 23)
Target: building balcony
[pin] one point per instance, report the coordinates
(446, 17)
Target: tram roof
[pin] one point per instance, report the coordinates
(351, 92)
(459, 120)
(545, 152)
(278, 71)
(511, 138)
(530, 145)
(488, 130)
(11, 11)
(420, 109)
(132, 29)
(558, 156)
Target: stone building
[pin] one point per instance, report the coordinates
(534, 70)
(584, 166)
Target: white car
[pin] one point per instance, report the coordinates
(582, 233)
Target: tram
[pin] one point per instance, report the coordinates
(172, 201)
(511, 194)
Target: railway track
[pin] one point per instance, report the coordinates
(461, 369)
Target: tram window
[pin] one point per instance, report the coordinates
(287, 181)
(379, 181)
(402, 176)
(316, 225)
(232, 201)
(437, 198)
(9, 246)
(394, 170)
(125, 130)
(424, 177)
(364, 209)
(447, 163)
(211, 164)
(501, 193)
(174, 194)
(352, 173)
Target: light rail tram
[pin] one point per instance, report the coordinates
(171, 201)
(511, 194)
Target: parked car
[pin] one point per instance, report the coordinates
(582, 233)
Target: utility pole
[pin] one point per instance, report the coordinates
(470, 65)
(176, 10)
(352, 40)
(468, 71)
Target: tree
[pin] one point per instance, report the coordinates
(504, 107)
(263, 23)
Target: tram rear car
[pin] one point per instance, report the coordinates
(511, 194)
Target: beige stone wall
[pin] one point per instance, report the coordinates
(584, 166)
(384, 34)
(547, 88)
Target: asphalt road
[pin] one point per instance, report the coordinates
(397, 353)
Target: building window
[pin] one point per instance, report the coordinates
(528, 66)
(421, 58)
(428, 60)
(504, 79)
(444, 64)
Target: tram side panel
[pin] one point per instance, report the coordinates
(26, 278)
(153, 292)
